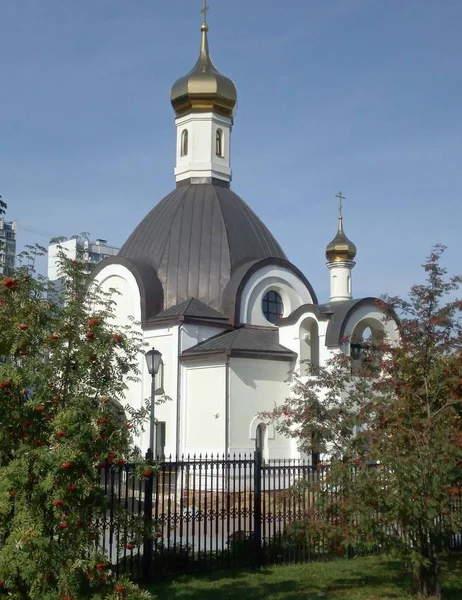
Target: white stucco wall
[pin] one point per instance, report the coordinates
(289, 336)
(340, 280)
(369, 316)
(292, 290)
(191, 334)
(203, 419)
(127, 304)
(202, 159)
(257, 385)
(127, 296)
(164, 339)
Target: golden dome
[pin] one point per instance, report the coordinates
(204, 88)
(340, 248)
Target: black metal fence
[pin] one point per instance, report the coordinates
(215, 512)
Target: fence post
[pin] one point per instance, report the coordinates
(147, 538)
(257, 512)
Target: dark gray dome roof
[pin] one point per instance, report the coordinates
(195, 238)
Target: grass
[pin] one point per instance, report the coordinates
(372, 578)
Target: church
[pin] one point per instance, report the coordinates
(215, 294)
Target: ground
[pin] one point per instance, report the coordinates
(372, 578)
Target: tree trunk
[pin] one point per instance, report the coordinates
(427, 580)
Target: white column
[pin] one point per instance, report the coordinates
(340, 280)
(199, 154)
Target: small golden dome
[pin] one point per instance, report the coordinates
(340, 248)
(204, 88)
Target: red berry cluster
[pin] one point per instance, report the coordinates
(10, 283)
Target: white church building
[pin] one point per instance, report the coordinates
(215, 293)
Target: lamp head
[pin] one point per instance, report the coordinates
(153, 360)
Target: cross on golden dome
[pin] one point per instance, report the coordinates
(204, 11)
(204, 88)
(340, 197)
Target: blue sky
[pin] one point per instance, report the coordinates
(358, 95)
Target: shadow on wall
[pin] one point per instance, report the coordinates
(245, 375)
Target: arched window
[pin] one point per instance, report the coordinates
(184, 142)
(272, 306)
(309, 345)
(219, 141)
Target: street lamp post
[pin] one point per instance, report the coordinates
(153, 361)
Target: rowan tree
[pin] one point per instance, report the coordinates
(390, 427)
(63, 369)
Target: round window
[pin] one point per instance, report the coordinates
(272, 306)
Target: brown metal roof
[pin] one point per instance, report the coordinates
(195, 238)
(247, 341)
(191, 308)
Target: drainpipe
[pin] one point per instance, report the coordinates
(227, 407)
(178, 395)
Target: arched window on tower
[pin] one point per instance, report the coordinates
(334, 285)
(184, 142)
(219, 142)
(309, 345)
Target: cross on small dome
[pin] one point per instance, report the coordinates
(340, 248)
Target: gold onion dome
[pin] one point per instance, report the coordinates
(204, 88)
(340, 248)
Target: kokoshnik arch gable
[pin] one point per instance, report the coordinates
(215, 293)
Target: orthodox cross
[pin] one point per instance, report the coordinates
(340, 197)
(204, 11)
